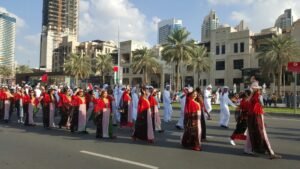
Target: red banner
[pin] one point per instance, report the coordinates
(294, 66)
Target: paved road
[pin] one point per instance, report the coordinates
(36, 148)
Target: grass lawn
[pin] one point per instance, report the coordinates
(267, 109)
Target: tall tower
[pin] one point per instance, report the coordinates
(211, 22)
(7, 39)
(60, 18)
(285, 20)
(165, 27)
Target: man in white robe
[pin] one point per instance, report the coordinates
(182, 100)
(224, 108)
(167, 104)
(207, 100)
(134, 103)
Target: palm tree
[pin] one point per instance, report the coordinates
(279, 51)
(5, 72)
(24, 69)
(200, 61)
(103, 64)
(78, 66)
(178, 50)
(146, 61)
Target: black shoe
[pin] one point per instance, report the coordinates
(84, 132)
(6, 121)
(178, 127)
(161, 131)
(225, 127)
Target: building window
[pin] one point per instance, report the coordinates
(219, 82)
(237, 81)
(125, 70)
(242, 47)
(223, 49)
(217, 49)
(125, 58)
(236, 48)
(238, 64)
(220, 65)
(204, 82)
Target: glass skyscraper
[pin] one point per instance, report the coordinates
(285, 20)
(211, 22)
(165, 27)
(7, 39)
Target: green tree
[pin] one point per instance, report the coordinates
(5, 72)
(178, 50)
(78, 66)
(278, 52)
(200, 61)
(146, 61)
(103, 64)
(23, 69)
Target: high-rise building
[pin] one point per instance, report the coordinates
(7, 39)
(60, 18)
(165, 27)
(210, 22)
(285, 20)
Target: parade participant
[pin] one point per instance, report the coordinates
(241, 118)
(19, 104)
(7, 102)
(116, 115)
(256, 127)
(207, 100)
(79, 112)
(113, 105)
(143, 127)
(33, 102)
(124, 107)
(217, 99)
(182, 100)
(167, 104)
(66, 101)
(192, 122)
(199, 99)
(103, 116)
(45, 101)
(2, 98)
(156, 122)
(90, 104)
(134, 103)
(224, 109)
(26, 101)
(52, 105)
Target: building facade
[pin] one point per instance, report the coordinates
(7, 40)
(210, 22)
(60, 18)
(285, 21)
(165, 27)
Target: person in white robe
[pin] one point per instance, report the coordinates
(182, 100)
(224, 108)
(207, 100)
(133, 104)
(167, 104)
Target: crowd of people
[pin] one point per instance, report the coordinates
(138, 108)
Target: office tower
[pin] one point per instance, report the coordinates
(211, 22)
(165, 27)
(7, 39)
(60, 18)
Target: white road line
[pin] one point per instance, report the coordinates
(119, 159)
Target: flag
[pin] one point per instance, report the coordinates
(116, 68)
(44, 78)
(294, 66)
(90, 86)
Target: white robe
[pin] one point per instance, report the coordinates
(224, 109)
(182, 100)
(207, 100)
(134, 105)
(167, 106)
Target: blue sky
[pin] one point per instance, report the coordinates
(138, 18)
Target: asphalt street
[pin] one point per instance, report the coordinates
(36, 148)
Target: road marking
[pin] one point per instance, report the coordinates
(119, 159)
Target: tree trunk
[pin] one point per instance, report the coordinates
(103, 77)
(279, 82)
(177, 77)
(198, 79)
